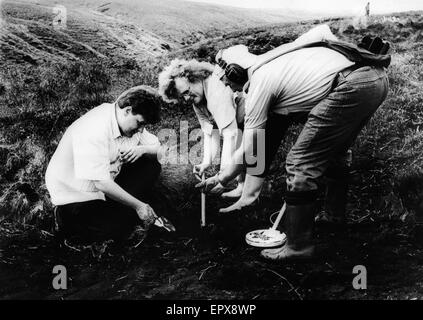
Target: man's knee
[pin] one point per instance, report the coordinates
(299, 182)
(95, 220)
(301, 176)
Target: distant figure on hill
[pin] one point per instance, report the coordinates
(104, 167)
(367, 9)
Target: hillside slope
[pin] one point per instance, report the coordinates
(122, 29)
(181, 21)
(27, 34)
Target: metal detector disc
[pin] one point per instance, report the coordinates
(265, 238)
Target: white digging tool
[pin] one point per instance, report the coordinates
(203, 204)
(267, 238)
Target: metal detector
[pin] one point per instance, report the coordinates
(268, 238)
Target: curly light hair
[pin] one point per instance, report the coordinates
(192, 70)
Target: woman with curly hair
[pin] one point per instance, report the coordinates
(196, 83)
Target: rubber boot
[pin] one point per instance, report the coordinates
(299, 234)
(335, 202)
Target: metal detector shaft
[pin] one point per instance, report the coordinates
(203, 204)
(279, 217)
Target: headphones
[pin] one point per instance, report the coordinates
(234, 72)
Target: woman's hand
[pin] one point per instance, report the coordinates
(132, 154)
(199, 169)
(218, 189)
(208, 184)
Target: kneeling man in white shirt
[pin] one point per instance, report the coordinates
(101, 174)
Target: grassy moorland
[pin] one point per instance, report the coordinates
(126, 28)
(215, 262)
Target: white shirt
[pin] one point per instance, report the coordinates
(295, 81)
(220, 108)
(89, 151)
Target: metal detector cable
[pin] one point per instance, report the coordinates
(271, 217)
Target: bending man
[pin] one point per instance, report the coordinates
(337, 96)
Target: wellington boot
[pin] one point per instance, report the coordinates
(299, 234)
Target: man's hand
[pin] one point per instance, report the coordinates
(218, 189)
(132, 154)
(146, 214)
(250, 193)
(239, 205)
(208, 184)
(199, 169)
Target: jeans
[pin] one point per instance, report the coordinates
(99, 220)
(333, 125)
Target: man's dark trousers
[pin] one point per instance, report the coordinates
(98, 220)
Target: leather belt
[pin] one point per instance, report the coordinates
(345, 73)
(349, 70)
